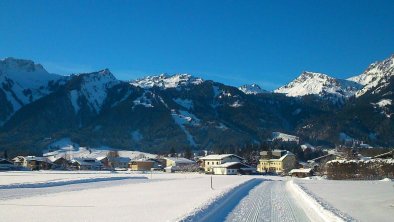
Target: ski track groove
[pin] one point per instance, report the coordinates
(268, 201)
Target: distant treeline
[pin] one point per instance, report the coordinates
(375, 169)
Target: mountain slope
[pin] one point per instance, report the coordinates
(22, 82)
(378, 73)
(322, 85)
(181, 111)
(252, 89)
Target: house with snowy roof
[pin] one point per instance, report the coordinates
(173, 164)
(276, 161)
(119, 162)
(208, 162)
(60, 163)
(33, 162)
(86, 164)
(178, 161)
(232, 168)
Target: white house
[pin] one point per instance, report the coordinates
(211, 161)
(232, 168)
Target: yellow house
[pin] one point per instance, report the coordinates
(141, 165)
(282, 164)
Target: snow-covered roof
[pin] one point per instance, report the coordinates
(301, 170)
(220, 156)
(86, 162)
(36, 158)
(179, 159)
(143, 161)
(229, 164)
(282, 157)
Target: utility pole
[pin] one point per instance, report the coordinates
(211, 183)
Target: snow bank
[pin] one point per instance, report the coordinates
(317, 210)
(223, 202)
(362, 200)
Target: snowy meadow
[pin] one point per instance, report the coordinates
(126, 196)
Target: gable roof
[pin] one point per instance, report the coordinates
(38, 158)
(301, 170)
(179, 159)
(219, 157)
(86, 162)
(233, 164)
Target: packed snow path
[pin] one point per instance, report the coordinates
(256, 200)
(269, 201)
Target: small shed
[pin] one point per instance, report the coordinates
(301, 172)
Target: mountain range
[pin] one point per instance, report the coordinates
(180, 111)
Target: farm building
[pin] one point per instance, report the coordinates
(301, 172)
(141, 165)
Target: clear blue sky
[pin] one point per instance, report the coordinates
(235, 42)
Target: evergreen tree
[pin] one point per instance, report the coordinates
(172, 152)
(188, 153)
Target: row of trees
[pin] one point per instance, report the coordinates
(360, 170)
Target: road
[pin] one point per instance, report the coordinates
(256, 200)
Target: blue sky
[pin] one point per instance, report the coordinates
(235, 42)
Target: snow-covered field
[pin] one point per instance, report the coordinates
(127, 196)
(354, 200)
(165, 197)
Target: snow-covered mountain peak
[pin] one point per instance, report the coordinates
(25, 73)
(167, 81)
(94, 87)
(21, 64)
(22, 82)
(252, 89)
(100, 77)
(312, 83)
(376, 74)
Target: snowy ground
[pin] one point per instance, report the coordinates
(125, 196)
(165, 197)
(353, 200)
